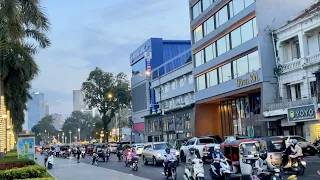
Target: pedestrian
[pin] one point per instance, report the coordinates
(57, 151)
(78, 154)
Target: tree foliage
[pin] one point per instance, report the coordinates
(45, 128)
(20, 22)
(106, 92)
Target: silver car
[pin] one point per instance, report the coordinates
(154, 152)
(113, 147)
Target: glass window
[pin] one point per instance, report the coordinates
(181, 82)
(230, 9)
(248, 3)
(246, 31)
(212, 78)
(196, 10)
(206, 4)
(241, 67)
(238, 5)
(210, 52)
(221, 46)
(161, 146)
(198, 33)
(222, 16)
(313, 88)
(139, 67)
(228, 41)
(298, 91)
(220, 75)
(235, 38)
(226, 72)
(201, 82)
(209, 25)
(254, 27)
(254, 62)
(190, 79)
(199, 58)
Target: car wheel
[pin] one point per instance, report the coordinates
(145, 160)
(182, 157)
(154, 161)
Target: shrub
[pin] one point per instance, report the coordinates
(47, 178)
(11, 154)
(10, 161)
(34, 171)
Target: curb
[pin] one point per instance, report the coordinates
(48, 171)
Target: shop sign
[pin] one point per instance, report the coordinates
(254, 77)
(302, 113)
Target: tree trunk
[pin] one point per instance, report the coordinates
(105, 120)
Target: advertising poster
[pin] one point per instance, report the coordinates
(25, 147)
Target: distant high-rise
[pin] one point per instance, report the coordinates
(78, 100)
(46, 107)
(36, 109)
(57, 121)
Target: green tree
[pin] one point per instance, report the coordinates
(45, 129)
(106, 92)
(20, 22)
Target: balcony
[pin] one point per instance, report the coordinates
(301, 63)
(313, 59)
(284, 104)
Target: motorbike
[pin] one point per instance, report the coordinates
(95, 158)
(120, 155)
(172, 169)
(83, 153)
(134, 163)
(298, 167)
(266, 174)
(316, 144)
(50, 161)
(197, 172)
(107, 155)
(225, 171)
(126, 162)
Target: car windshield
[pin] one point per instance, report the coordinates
(161, 146)
(250, 148)
(206, 141)
(276, 146)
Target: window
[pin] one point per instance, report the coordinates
(289, 96)
(246, 31)
(191, 142)
(235, 38)
(179, 122)
(196, 10)
(199, 58)
(181, 82)
(254, 62)
(139, 67)
(201, 82)
(212, 78)
(238, 5)
(221, 46)
(254, 27)
(198, 34)
(210, 52)
(190, 79)
(222, 16)
(248, 3)
(209, 25)
(319, 41)
(298, 91)
(295, 48)
(206, 141)
(313, 88)
(225, 73)
(206, 4)
(241, 67)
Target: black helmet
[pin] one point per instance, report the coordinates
(263, 154)
(192, 150)
(167, 150)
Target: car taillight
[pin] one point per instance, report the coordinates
(205, 148)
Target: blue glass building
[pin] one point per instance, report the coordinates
(36, 109)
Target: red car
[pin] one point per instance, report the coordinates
(89, 149)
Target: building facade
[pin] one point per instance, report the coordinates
(46, 107)
(36, 109)
(148, 56)
(233, 59)
(57, 121)
(78, 100)
(298, 58)
(174, 117)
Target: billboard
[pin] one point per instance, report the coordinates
(25, 146)
(302, 113)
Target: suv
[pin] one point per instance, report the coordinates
(154, 152)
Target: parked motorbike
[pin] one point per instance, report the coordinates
(172, 170)
(224, 172)
(195, 172)
(50, 161)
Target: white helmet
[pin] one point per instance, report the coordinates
(217, 149)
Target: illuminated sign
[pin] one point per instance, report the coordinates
(301, 113)
(254, 77)
(140, 51)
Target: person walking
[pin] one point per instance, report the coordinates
(78, 154)
(57, 149)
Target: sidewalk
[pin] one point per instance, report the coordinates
(69, 169)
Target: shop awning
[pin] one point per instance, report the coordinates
(273, 118)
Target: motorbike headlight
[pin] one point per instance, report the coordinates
(303, 163)
(177, 153)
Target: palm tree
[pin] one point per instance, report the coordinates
(20, 21)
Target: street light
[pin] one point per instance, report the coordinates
(58, 137)
(70, 132)
(79, 133)
(63, 141)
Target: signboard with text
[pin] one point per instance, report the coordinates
(302, 113)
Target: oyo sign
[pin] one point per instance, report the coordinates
(302, 113)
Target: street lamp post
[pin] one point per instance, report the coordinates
(70, 132)
(58, 137)
(79, 133)
(63, 141)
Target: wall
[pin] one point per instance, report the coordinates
(207, 120)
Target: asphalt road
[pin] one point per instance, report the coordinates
(155, 172)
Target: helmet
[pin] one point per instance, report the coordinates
(168, 150)
(133, 149)
(294, 141)
(217, 149)
(263, 154)
(192, 150)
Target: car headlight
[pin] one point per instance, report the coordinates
(157, 154)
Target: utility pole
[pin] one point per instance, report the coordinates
(161, 122)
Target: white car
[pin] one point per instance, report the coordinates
(113, 147)
(138, 148)
(154, 152)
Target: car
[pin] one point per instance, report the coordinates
(154, 152)
(113, 147)
(306, 146)
(138, 147)
(216, 137)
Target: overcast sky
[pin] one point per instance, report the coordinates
(100, 33)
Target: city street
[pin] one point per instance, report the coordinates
(154, 173)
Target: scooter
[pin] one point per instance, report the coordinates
(107, 155)
(197, 172)
(134, 163)
(50, 161)
(172, 170)
(120, 155)
(95, 158)
(224, 172)
(126, 162)
(83, 153)
(297, 167)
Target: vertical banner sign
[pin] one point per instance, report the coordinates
(25, 147)
(148, 57)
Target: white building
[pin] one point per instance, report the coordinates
(298, 53)
(78, 100)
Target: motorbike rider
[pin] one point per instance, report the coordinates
(46, 155)
(191, 156)
(216, 156)
(168, 156)
(296, 152)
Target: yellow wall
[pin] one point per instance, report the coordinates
(314, 131)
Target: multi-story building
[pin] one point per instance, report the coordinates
(233, 58)
(57, 121)
(46, 107)
(78, 100)
(148, 56)
(174, 93)
(36, 109)
(298, 57)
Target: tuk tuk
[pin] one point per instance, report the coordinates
(89, 149)
(65, 150)
(274, 146)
